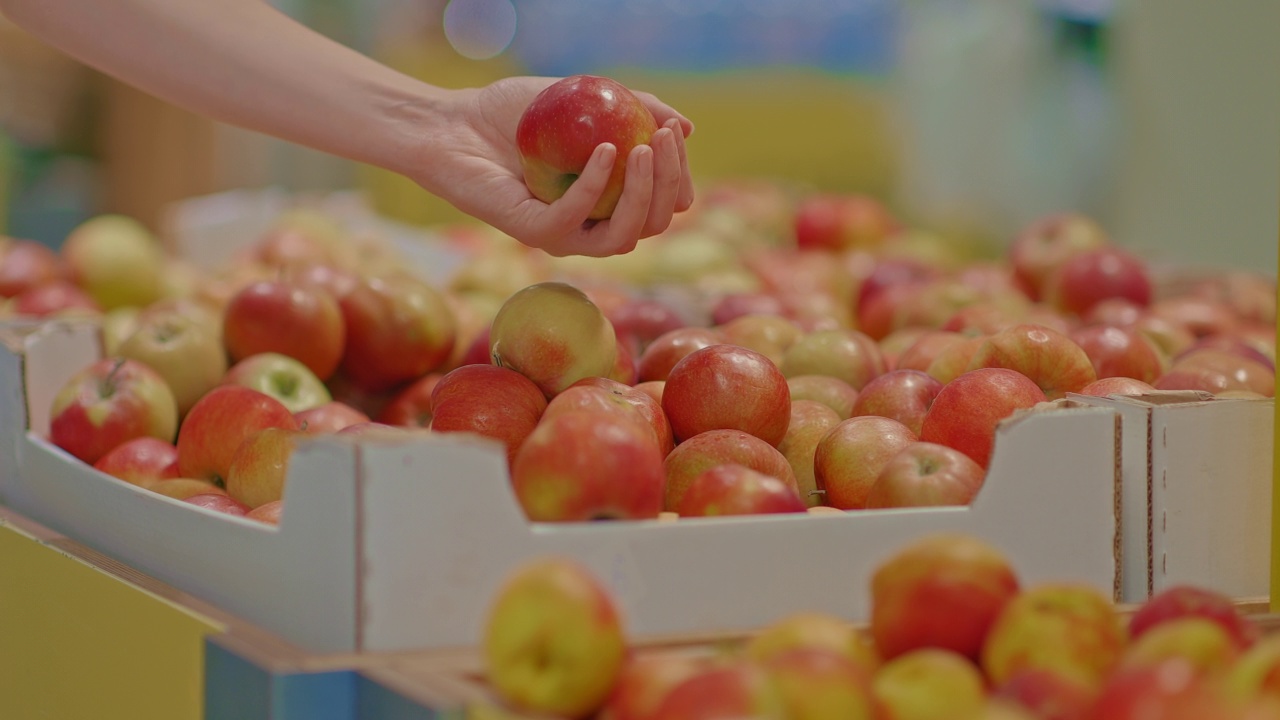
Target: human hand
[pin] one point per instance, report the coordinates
(471, 160)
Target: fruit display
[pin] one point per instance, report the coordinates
(954, 633)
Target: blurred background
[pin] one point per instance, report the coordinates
(1161, 118)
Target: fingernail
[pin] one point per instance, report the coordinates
(605, 158)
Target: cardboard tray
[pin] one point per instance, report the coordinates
(392, 545)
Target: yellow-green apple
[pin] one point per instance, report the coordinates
(182, 343)
(219, 503)
(25, 264)
(1065, 627)
(110, 402)
(59, 298)
(967, 410)
(727, 387)
(397, 329)
(810, 422)
(649, 407)
(841, 221)
(926, 474)
(1204, 643)
(1092, 276)
(260, 466)
(645, 679)
(769, 335)
(718, 447)
(1216, 371)
(290, 318)
(117, 326)
(1116, 386)
(1048, 695)
(669, 348)
(638, 321)
(181, 488)
(116, 260)
(817, 683)
(583, 465)
(830, 391)
(1119, 352)
(554, 335)
(733, 305)
(141, 461)
(328, 418)
(410, 405)
(732, 489)
(487, 400)
(849, 458)
(562, 126)
(725, 691)
(217, 424)
(268, 513)
(553, 639)
(1049, 358)
(928, 684)
(1182, 600)
(843, 353)
(902, 395)
(815, 630)
(283, 377)
(968, 576)
(1043, 245)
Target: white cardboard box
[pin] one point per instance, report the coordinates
(396, 545)
(1197, 478)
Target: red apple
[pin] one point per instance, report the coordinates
(1049, 358)
(645, 679)
(1116, 386)
(554, 335)
(954, 359)
(328, 418)
(487, 400)
(1217, 371)
(561, 128)
(219, 503)
(397, 329)
(410, 406)
(1206, 644)
(291, 318)
(1171, 690)
(1202, 316)
(58, 297)
(727, 387)
(1048, 695)
(810, 423)
(25, 264)
(141, 461)
(718, 447)
(894, 272)
(841, 353)
(219, 422)
(967, 410)
(1182, 601)
(920, 354)
(583, 465)
(1119, 352)
(727, 691)
(1090, 277)
(848, 459)
(639, 321)
(260, 466)
(624, 367)
(1117, 312)
(969, 577)
(837, 221)
(926, 475)
(108, 403)
(733, 489)
(902, 395)
(652, 388)
(330, 278)
(649, 407)
(268, 513)
(282, 377)
(671, 347)
(1047, 243)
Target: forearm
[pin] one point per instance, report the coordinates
(244, 63)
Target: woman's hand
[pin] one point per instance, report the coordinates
(470, 158)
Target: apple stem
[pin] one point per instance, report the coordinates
(109, 382)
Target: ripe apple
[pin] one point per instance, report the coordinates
(849, 355)
(849, 458)
(181, 342)
(922, 351)
(814, 630)
(1203, 316)
(260, 466)
(1045, 244)
(410, 406)
(487, 400)
(649, 407)
(116, 260)
(902, 395)
(330, 278)
(842, 221)
(561, 128)
(553, 639)
(58, 298)
(1049, 358)
(25, 264)
(1181, 601)
(1116, 386)
(181, 488)
(1048, 695)
(219, 422)
(1218, 371)
(1087, 278)
(141, 461)
(397, 329)
(830, 391)
(968, 576)
(817, 683)
(810, 422)
(268, 513)
(926, 475)
(645, 679)
(727, 387)
(652, 388)
(725, 690)
(967, 410)
(554, 335)
(290, 318)
(928, 684)
(328, 418)
(639, 321)
(671, 347)
(110, 402)
(892, 272)
(769, 335)
(954, 359)
(282, 377)
(1206, 644)
(1064, 627)
(733, 489)
(582, 465)
(1171, 690)
(718, 447)
(1119, 352)
(219, 503)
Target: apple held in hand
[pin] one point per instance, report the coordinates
(926, 475)
(564, 124)
(727, 387)
(553, 640)
(108, 403)
(219, 422)
(291, 318)
(554, 335)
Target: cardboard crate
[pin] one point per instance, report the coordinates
(1196, 483)
(390, 545)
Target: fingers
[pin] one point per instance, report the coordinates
(684, 198)
(566, 215)
(663, 112)
(666, 178)
(620, 233)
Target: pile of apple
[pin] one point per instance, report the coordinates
(953, 635)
